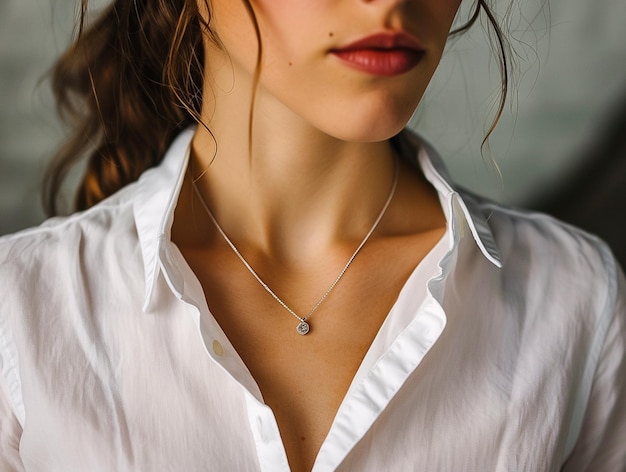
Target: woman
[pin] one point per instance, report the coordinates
(294, 283)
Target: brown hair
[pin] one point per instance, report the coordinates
(132, 80)
(502, 48)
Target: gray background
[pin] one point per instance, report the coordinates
(571, 76)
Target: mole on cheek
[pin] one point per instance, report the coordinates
(331, 34)
(290, 64)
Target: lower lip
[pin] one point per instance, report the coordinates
(387, 62)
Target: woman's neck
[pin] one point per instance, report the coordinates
(297, 191)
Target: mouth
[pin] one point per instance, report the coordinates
(384, 54)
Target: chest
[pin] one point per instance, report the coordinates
(303, 378)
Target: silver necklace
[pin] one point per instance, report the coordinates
(303, 326)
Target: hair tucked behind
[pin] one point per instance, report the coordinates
(127, 85)
(131, 81)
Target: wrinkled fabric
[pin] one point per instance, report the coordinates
(505, 350)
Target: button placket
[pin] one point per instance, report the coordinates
(270, 449)
(363, 405)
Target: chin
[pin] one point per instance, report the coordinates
(368, 137)
(375, 121)
(368, 129)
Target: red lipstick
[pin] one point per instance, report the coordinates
(384, 54)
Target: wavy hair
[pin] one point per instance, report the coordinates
(132, 80)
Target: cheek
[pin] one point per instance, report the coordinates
(445, 9)
(292, 29)
(233, 26)
(441, 15)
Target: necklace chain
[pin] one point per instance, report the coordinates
(303, 326)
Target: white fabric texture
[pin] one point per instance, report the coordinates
(505, 350)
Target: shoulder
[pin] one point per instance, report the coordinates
(542, 237)
(38, 257)
(95, 220)
(556, 263)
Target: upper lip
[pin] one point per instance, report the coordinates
(386, 40)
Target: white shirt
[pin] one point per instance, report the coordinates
(505, 350)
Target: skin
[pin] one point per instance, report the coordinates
(320, 170)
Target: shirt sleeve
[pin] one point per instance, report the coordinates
(10, 432)
(601, 444)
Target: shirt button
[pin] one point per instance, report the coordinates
(217, 348)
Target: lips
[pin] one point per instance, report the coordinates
(385, 54)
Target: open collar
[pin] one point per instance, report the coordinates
(437, 174)
(154, 206)
(158, 189)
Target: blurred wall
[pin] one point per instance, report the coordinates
(32, 33)
(569, 80)
(571, 68)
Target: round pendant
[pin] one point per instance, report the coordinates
(303, 328)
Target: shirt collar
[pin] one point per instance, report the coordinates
(158, 189)
(437, 174)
